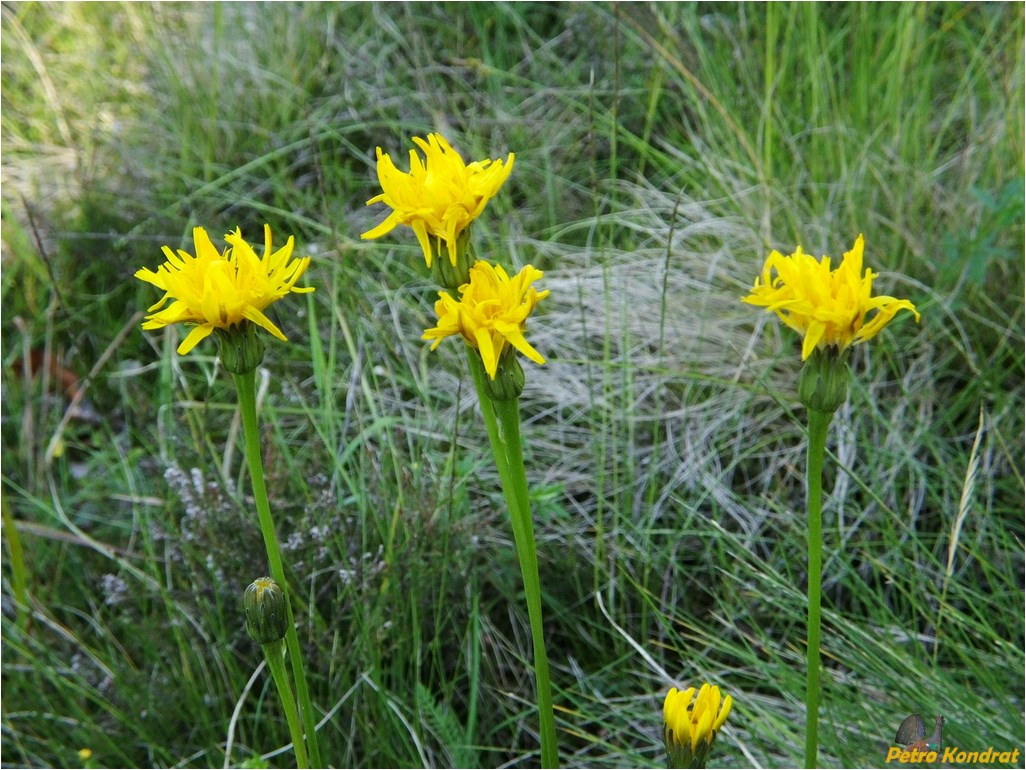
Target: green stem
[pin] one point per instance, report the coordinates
(246, 386)
(275, 662)
(818, 424)
(504, 435)
(509, 420)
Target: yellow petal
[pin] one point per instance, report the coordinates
(391, 221)
(254, 315)
(198, 334)
(669, 704)
(812, 337)
(682, 728)
(728, 702)
(884, 316)
(489, 356)
(713, 703)
(516, 338)
(702, 730)
(420, 231)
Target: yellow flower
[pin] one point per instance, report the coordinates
(218, 290)
(827, 307)
(440, 196)
(491, 313)
(691, 723)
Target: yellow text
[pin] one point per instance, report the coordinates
(951, 755)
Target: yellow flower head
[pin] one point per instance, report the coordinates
(827, 307)
(491, 313)
(440, 196)
(218, 290)
(692, 722)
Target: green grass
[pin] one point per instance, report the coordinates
(661, 152)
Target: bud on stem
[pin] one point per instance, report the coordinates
(266, 616)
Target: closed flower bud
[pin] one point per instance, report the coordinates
(266, 614)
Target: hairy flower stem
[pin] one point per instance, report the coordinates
(276, 662)
(502, 421)
(818, 424)
(246, 386)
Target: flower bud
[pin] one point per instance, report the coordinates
(823, 382)
(240, 347)
(266, 613)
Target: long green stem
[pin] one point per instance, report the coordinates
(246, 386)
(818, 424)
(275, 662)
(509, 420)
(504, 435)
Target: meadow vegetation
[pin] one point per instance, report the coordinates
(661, 151)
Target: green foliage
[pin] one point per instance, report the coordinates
(981, 256)
(661, 151)
(450, 734)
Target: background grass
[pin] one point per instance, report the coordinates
(661, 151)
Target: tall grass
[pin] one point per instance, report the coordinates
(661, 151)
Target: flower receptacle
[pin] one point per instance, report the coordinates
(451, 276)
(681, 757)
(823, 382)
(240, 348)
(509, 379)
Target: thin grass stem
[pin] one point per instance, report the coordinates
(19, 574)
